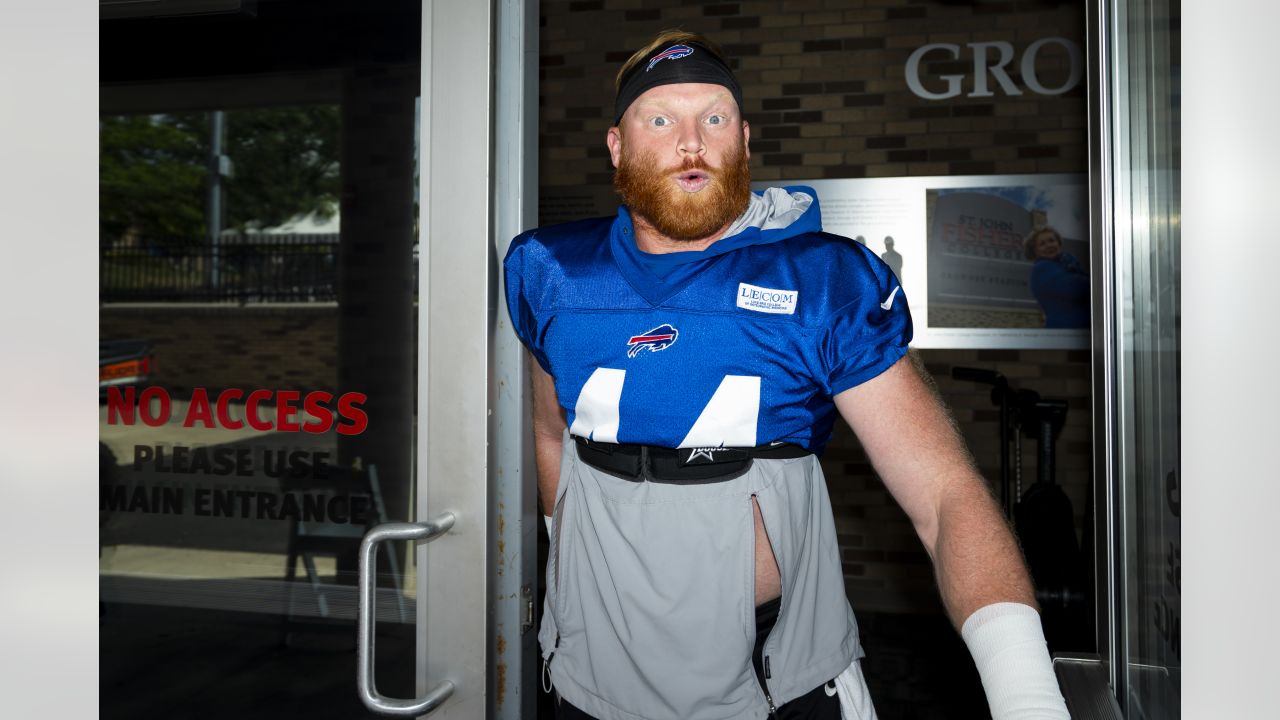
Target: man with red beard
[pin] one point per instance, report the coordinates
(691, 354)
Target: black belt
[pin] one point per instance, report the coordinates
(679, 465)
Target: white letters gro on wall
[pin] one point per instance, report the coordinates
(991, 59)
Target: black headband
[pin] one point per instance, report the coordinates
(680, 63)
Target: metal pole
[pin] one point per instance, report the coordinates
(214, 204)
(1004, 397)
(515, 522)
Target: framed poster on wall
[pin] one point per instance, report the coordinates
(986, 261)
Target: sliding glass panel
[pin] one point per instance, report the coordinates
(1147, 344)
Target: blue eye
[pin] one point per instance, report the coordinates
(715, 119)
(659, 122)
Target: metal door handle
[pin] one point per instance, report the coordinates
(367, 617)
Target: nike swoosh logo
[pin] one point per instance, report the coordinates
(829, 689)
(889, 303)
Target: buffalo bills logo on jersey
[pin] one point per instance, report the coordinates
(659, 338)
(675, 52)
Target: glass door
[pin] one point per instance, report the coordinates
(260, 360)
(300, 343)
(258, 370)
(257, 384)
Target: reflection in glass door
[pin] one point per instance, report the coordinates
(258, 375)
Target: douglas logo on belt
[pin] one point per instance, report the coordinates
(659, 338)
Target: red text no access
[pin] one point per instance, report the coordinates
(286, 410)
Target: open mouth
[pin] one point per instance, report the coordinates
(692, 180)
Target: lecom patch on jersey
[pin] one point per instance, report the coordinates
(767, 300)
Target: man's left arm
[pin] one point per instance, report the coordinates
(918, 453)
(986, 590)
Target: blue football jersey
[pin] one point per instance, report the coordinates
(739, 345)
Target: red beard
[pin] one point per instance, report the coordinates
(651, 194)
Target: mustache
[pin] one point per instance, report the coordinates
(692, 163)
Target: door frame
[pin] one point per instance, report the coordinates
(473, 450)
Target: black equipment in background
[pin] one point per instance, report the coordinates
(1043, 517)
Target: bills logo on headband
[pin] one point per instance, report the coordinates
(675, 52)
(659, 338)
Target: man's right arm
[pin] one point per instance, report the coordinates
(548, 434)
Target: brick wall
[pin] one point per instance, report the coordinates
(826, 95)
(824, 85)
(222, 346)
